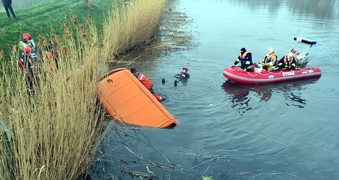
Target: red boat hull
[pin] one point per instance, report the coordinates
(265, 77)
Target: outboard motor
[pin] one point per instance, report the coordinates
(302, 59)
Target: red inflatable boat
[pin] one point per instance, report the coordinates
(264, 77)
(260, 76)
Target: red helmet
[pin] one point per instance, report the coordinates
(26, 37)
(185, 68)
(27, 50)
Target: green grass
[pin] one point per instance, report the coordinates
(36, 20)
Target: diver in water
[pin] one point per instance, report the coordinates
(183, 76)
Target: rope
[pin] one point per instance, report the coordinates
(253, 75)
(279, 72)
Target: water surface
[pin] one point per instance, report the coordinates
(233, 131)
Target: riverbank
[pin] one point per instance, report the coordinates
(55, 122)
(37, 19)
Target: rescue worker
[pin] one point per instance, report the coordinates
(146, 82)
(27, 41)
(245, 58)
(286, 63)
(25, 63)
(269, 61)
(26, 66)
(183, 74)
(50, 55)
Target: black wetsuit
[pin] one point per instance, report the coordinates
(182, 76)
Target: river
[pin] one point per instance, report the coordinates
(233, 131)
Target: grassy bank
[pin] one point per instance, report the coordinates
(36, 20)
(56, 128)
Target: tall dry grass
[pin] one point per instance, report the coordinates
(131, 25)
(56, 128)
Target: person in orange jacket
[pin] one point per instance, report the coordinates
(146, 82)
(286, 63)
(245, 59)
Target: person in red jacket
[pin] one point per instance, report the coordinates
(26, 66)
(146, 82)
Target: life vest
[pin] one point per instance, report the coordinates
(269, 58)
(242, 56)
(147, 83)
(244, 62)
(285, 59)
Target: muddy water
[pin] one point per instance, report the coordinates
(233, 131)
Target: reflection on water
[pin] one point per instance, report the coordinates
(297, 99)
(240, 93)
(240, 103)
(324, 9)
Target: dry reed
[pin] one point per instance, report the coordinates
(131, 25)
(56, 127)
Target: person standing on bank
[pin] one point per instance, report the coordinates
(8, 6)
(27, 41)
(245, 58)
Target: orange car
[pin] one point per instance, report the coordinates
(127, 100)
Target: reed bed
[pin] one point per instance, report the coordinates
(55, 123)
(131, 25)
